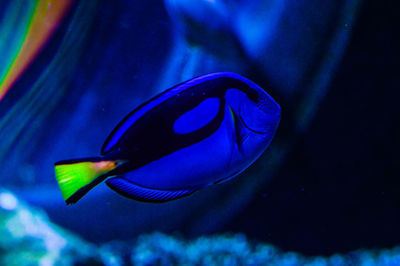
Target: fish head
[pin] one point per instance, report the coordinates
(256, 118)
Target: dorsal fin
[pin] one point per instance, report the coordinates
(136, 192)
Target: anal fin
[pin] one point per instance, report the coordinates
(136, 192)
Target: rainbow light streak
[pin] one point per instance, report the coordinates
(24, 29)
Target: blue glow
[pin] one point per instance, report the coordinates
(8, 201)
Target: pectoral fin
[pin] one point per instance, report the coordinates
(240, 130)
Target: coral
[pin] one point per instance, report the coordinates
(235, 249)
(27, 237)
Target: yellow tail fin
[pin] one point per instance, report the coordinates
(76, 177)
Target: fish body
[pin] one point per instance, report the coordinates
(198, 133)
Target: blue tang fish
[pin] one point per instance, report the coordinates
(201, 132)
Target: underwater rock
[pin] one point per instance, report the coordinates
(27, 237)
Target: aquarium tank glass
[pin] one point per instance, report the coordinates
(210, 132)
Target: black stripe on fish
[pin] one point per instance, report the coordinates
(151, 136)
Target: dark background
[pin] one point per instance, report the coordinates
(339, 189)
